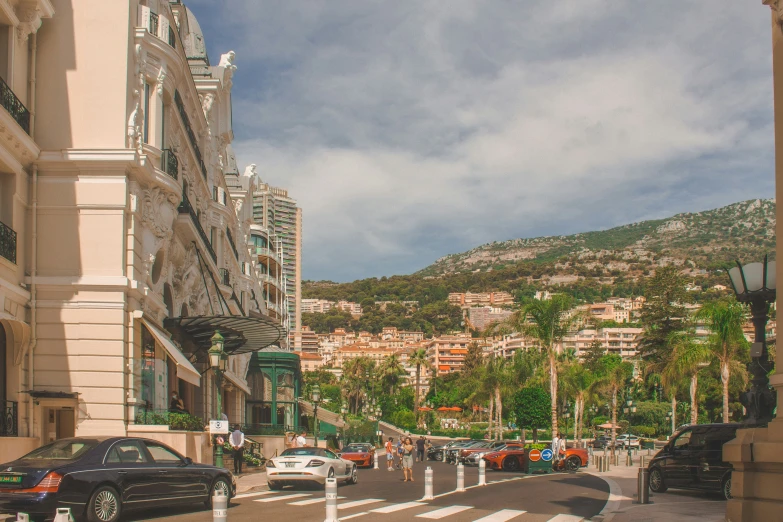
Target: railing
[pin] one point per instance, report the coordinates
(267, 429)
(186, 208)
(231, 242)
(10, 424)
(175, 420)
(154, 22)
(169, 163)
(225, 277)
(14, 106)
(7, 242)
(189, 131)
(261, 251)
(172, 38)
(270, 279)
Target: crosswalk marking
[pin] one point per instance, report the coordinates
(501, 516)
(565, 518)
(258, 494)
(309, 501)
(357, 503)
(397, 507)
(284, 497)
(444, 512)
(354, 515)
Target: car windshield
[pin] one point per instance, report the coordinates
(351, 448)
(294, 452)
(62, 450)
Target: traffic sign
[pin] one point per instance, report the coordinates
(547, 454)
(218, 427)
(535, 455)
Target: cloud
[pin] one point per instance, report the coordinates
(412, 129)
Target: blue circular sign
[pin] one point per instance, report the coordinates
(546, 454)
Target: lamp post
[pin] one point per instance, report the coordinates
(315, 395)
(671, 417)
(630, 407)
(755, 284)
(217, 361)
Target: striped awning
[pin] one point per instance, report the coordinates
(241, 334)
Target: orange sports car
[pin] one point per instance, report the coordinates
(360, 453)
(512, 458)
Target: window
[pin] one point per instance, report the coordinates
(683, 440)
(330, 454)
(146, 112)
(128, 452)
(163, 126)
(162, 455)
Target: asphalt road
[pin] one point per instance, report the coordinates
(382, 496)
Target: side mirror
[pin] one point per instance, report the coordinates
(340, 455)
(188, 461)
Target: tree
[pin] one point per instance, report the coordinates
(418, 359)
(578, 381)
(532, 409)
(663, 313)
(474, 358)
(391, 373)
(617, 374)
(688, 357)
(593, 354)
(726, 342)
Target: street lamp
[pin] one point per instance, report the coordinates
(671, 417)
(315, 395)
(630, 407)
(755, 284)
(567, 415)
(343, 410)
(217, 361)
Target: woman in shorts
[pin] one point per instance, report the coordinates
(407, 459)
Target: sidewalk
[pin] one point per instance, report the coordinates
(680, 505)
(249, 481)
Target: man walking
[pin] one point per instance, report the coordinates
(420, 449)
(390, 454)
(237, 441)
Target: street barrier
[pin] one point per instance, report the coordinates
(22, 517)
(616, 460)
(460, 477)
(63, 515)
(331, 500)
(628, 460)
(642, 461)
(375, 460)
(599, 464)
(482, 472)
(219, 506)
(428, 484)
(644, 486)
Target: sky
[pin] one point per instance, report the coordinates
(413, 129)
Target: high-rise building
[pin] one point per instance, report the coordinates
(276, 211)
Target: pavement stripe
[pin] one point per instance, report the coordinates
(397, 507)
(565, 518)
(356, 503)
(444, 512)
(309, 501)
(258, 494)
(354, 515)
(501, 516)
(284, 497)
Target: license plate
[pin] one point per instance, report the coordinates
(10, 479)
(290, 464)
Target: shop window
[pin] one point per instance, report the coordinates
(154, 372)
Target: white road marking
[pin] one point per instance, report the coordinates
(397, 507)
(565, 518)
(309, 501)
(357, 503)
(260, 493)
(501, 516)
(444, 512)
(284, 497)
(354, 515)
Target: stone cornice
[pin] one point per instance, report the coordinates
(777, 10)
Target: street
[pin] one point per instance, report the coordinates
(507, 496)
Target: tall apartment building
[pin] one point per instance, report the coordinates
(277, 212)
(469, 299)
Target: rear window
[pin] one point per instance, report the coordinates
(62, 450)
(293, 452)
(355, 449)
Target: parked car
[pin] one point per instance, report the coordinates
(439, 452)
(101, 477)
(602, 441)
(622, 441)
(361, 453)
(512, 458)
(308, 465)
(693, 459)
(453, 452)
(467, 455)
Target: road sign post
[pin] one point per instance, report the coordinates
(460, 477)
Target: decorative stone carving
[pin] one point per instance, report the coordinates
(137, 115)
(250, 171)
(155, 216)
(227, 61)
(29, 21)
(160, 80)
(777, 9)
(206, 104)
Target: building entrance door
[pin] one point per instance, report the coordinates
(60, 423)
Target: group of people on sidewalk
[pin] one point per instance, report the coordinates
(402, 455)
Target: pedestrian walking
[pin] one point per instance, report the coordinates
(407, 459)
(420, 449)
(390, 454)
(558, 449)
(399, 452)
(237, 441)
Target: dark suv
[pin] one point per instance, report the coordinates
(693, 459)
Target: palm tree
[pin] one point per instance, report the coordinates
(391, 372)
(612, 382)
(496, 379)
(578, 381)
(418, 359)
(688, 357)
(724, 318)
(354, 380)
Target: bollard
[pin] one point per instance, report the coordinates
(644, 486)
(219, 506)
(607, 463)
(482, 473)
(22, 517)
(375, 460)
(63, 515)
(331, 500)
(628, 460)
(460, 477)
(599, 463)
(428, 484)
(642, 461)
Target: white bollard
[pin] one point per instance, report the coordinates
(460, 477)
(331, 500)
(375, 459)
(219, 506)
(63, 515)
(428, 484)
(482, 473)
(22, 517)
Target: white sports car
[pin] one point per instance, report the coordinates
(308, 465)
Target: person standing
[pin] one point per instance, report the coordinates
(420, 449)
(407, 459)
(390, 454)
(237, 441)
(301, 440)
(400, 442)
(555, 449)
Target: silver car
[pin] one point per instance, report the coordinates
(307, 466)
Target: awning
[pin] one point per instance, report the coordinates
(241, 334)
(236, 381)
(185, 370)
(306, 408)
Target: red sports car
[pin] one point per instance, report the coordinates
(512, 458)
(360, 453)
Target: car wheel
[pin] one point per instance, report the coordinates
(219, 485)
(573, 464)
(105, 505)
(274, 486)
(657, 485)
(725, 488)
(354, 476)
(510, 464)
(440, 457)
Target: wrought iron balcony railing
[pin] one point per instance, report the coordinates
(225, 277)
(186, 208)
(172, 38)
(169, 163)
(10, 424)
(7, 242)
(14, 106)
(154, 22)
(189, 131)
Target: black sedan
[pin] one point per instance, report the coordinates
(98, 478)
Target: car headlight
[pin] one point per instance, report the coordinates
(315, 463)
(270, 464)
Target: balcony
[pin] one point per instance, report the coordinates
(231, 242)
(10, 424)
(186, 208)
(225, 277)
(15, 108)
(189, 131)
(169, 163)
(7, 242)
